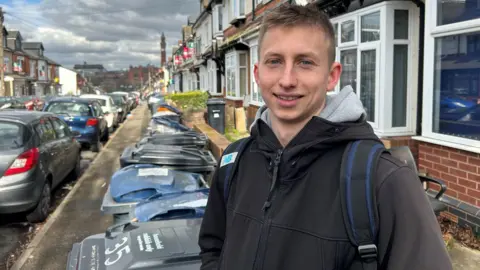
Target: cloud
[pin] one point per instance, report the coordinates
(116, 33)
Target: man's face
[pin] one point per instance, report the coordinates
(294, 73)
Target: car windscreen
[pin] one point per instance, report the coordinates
(118, 100)
(69, 109)
(12, 135)
(102, 102)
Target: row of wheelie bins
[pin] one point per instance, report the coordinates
(157, 200)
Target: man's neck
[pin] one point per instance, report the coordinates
(286, 131)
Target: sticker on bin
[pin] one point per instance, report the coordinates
(197, 203)
(152, 172)
(216, 115)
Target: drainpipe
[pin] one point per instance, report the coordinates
(421, 41)
(253, 10)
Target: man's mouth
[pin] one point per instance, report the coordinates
(282, 97)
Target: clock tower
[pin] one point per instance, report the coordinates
(163, 54)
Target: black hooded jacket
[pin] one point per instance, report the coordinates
(301, 226)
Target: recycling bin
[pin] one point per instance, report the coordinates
(166, 126)
(135, 183)
(168, 244)
(216, 114)
(167, 114)
(170, 156)
(185, 139)
(184, 205)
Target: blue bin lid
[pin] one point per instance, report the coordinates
(165, 121)
(172, 206)
(138, 182)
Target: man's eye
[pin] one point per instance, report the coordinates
(306, 62)
(273, 62)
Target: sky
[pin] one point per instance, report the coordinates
(115, 33)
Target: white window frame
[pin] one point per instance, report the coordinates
(217, 21)
(253, 84)
(235, 9)
(236, 66)
(432, 31)
(384, 75)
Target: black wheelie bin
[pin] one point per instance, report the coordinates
(168, 244)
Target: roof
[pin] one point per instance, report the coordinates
(31, 55)
(87, 66)
(95, 96)
(13, 34)
(32, 45)
(22, 115)
(71, 99)
(51, 61)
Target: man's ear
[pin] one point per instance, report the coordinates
(334, 76)
(255, 72)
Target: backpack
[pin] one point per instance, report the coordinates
(359, 163)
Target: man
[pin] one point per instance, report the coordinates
(284, 209)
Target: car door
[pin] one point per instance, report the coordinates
(98, 112)
(69, 149)
(49, 148)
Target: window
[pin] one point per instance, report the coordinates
(18, 44)
(230, 70)
(217, 20)
(256, 95)
(451, 111)
(60, 128)
(450, 12)
(237, 8)
(236, 75)
(12, 135)
(376, 47)
(45, 131)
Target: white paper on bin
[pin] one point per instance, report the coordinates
(152, 171)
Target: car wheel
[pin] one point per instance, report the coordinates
(95, 146)
(77, 171)
(106, 135)
(40, 213)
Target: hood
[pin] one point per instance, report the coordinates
(342, 120)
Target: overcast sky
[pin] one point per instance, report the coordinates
(115, 33)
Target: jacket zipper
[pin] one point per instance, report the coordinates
(262, 245)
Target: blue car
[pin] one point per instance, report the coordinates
(82, 115)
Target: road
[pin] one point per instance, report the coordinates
(16, 232)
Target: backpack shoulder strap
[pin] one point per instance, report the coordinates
(229, 163)
(357, 193)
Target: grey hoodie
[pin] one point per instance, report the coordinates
(342, 107)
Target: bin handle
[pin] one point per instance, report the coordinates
(124, 225)
(177, 213)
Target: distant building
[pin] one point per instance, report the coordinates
(138, 76)
(89, 69)
(68, 81)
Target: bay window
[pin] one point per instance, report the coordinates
(377, 49)
(236, 74)
(256, 96)
(451, 111)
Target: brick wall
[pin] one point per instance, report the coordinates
(459, 169)
(234, 103)
(251, 111)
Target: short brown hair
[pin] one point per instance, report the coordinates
(292, 15)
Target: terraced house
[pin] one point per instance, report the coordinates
(415, 64)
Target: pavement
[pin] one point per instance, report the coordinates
(79, 215)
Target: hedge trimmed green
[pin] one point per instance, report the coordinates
(190, 101)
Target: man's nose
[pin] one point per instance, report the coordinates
(289, 78)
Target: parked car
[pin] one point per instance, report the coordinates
(131, 102)
(108, 108)
(37, 151)
(9, 102)
(122, 106)
(83, 115)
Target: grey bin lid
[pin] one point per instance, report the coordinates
(216, 101)
(173, 156)
(188, 138)
(170, 244)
